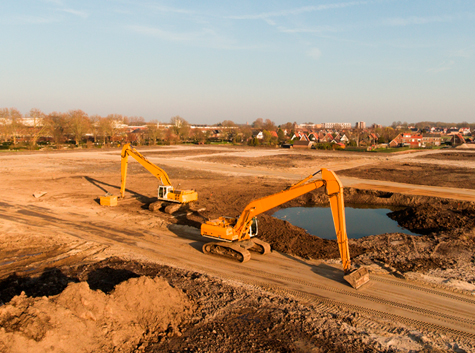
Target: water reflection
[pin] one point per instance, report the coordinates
(360, 222)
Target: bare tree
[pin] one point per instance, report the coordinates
(153, 131)
(79, 124)
(12, 122)
(56, 126)
(258, 123)
(269, 125)
(37, 126)
(228, 123)
(136, 121)
(198, 136)
(95, 128)
(181, 128)
(107, 128)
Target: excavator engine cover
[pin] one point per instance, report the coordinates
(357, 278)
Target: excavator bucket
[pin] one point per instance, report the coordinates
(357, 278)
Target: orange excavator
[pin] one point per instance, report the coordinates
(166, 192)
(237, 236)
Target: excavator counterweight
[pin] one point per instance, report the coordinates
(237, 236)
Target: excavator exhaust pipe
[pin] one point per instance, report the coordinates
(358, 277)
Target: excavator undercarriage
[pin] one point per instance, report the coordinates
(240, 251)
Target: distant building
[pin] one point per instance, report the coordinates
(306, 126)
(407, 139)
(360, 125)
(457, 140)
(333, 125)
(431, 140)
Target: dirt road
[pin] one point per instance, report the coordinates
(67, 228)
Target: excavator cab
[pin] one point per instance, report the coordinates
(253, 229)
(163, 191)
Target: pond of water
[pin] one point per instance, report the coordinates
(360, 222)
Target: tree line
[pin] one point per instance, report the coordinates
(78, 128)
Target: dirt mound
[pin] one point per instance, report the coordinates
(425, 219)
(454, 156)
(229, 317)
(289, 239)
(83, 320)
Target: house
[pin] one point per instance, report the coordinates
(452, 131)
(301, 136)
(313, 136)
(431, 140)
(457, 140)
(344, 139)
(407, 139)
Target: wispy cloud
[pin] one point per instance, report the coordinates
(463, 53)
(204, 38)
(79, 13)
(415, 20)
(442, 67)
(28, 20)
(57, 2)
(170, 36)
(298, 11)
(318, 29)
(172, 9)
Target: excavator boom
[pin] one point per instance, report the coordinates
(240, 231)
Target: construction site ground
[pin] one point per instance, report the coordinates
(76, 276)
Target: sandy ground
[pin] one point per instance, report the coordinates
(78, 277)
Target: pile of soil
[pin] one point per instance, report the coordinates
(426, 219)
(164, 309)
(91, 320)
(289, 239)
(457, 156)
(448, 256)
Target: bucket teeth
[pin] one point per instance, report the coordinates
(358, 278)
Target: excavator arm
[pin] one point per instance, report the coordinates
(127, 151)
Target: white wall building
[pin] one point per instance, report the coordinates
(341, 125)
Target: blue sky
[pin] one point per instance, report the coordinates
(376, 61)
